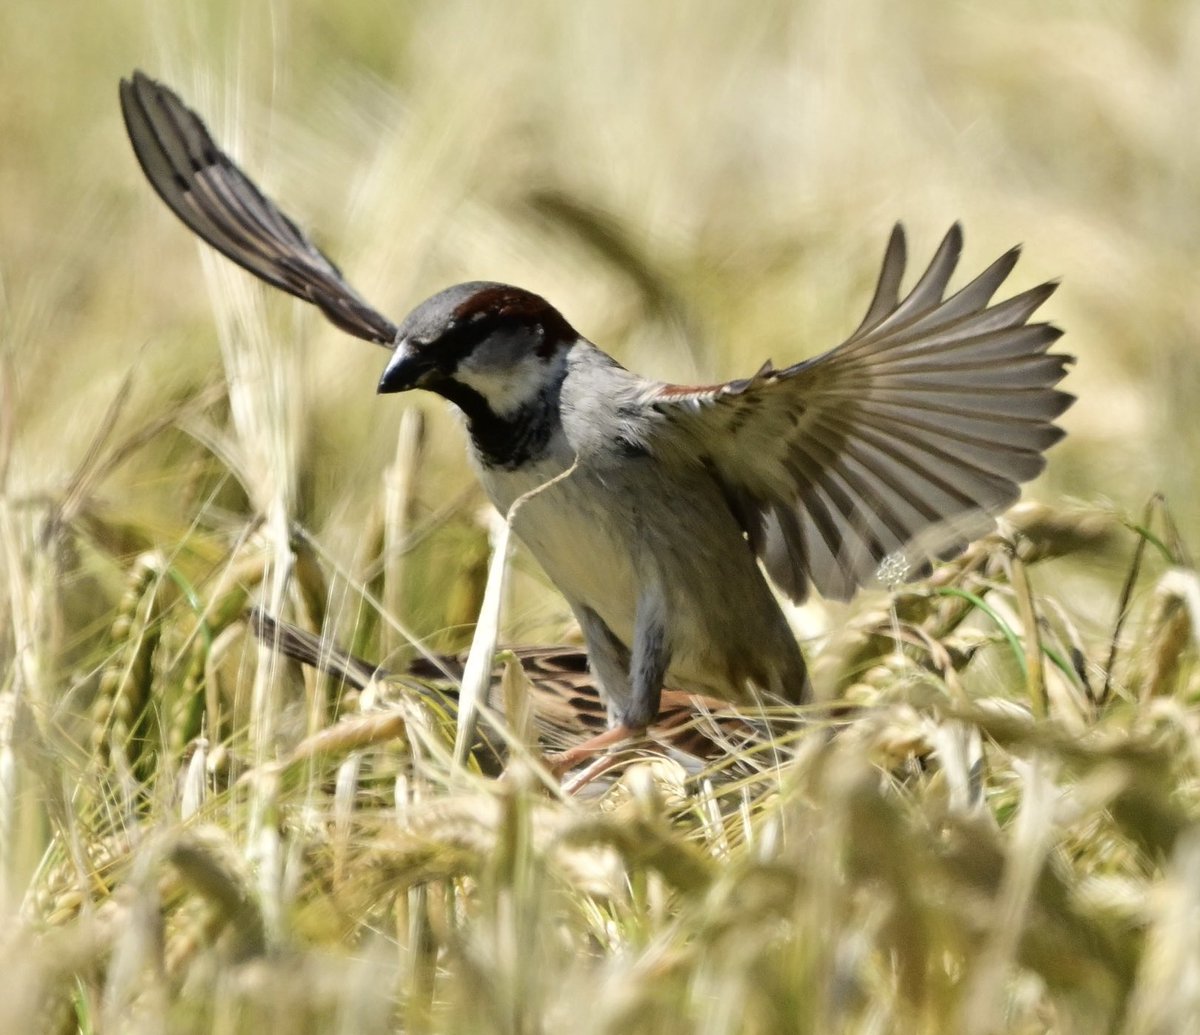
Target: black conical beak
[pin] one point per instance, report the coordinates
(407, 369)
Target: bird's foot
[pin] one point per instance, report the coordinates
(564, 761)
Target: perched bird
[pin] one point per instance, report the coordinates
(566, 706)
(655, 508)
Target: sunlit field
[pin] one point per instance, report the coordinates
(987, 823)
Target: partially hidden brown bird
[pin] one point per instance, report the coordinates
(565, 703)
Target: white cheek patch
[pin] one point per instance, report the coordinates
(506, 390)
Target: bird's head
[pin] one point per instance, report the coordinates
(481, 343)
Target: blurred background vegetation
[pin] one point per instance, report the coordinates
(698, 186)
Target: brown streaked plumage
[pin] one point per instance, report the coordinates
(566, 703)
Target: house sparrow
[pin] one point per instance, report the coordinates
(656, 508)
(566, 705)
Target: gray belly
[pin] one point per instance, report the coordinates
(581, 531)
(602, 546)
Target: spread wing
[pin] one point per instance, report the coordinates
(897, 446)
(217, 201)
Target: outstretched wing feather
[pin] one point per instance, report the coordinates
(222, 205)
(906, 440)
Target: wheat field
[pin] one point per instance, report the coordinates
(989, 823)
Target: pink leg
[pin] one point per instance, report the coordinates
(569, 759)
